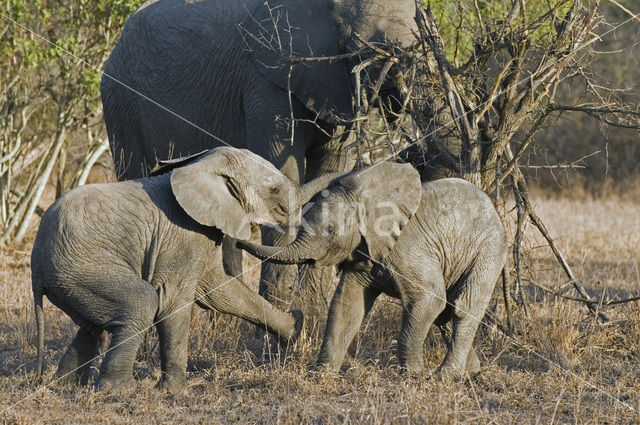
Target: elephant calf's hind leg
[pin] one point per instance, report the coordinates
(419, 313)
(127, 320)
(444, 323)
(174, 337)
(75, 364)
(467, 312)
(116, 370)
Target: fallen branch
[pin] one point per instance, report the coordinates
(560, 294)
(533, 217)
(624, 301)
(554, 107)
(293, 60)
(572, 164)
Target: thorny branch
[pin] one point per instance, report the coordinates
(624, 118)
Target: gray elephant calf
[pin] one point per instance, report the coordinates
(438, 246)
(123, 256)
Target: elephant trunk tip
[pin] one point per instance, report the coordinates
(288, 254)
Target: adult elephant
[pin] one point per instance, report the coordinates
(191, 75)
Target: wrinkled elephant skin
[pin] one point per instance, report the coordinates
(121, 257)
(191, 75)
(438, 246)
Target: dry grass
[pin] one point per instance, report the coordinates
(559, 367)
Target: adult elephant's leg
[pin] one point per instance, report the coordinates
(269, 134)
(122, 117)
(231, 296)
(317, 283)
(351, 302)
(75, 364)
(277, 281)
(324, 156)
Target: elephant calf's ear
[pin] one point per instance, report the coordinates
(166, 165)
(390, 196)
(203, 191)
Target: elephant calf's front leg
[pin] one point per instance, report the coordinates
(234, 297)
(351, 302)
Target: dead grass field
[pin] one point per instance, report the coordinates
(560, 366)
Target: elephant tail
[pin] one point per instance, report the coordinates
(37, 303)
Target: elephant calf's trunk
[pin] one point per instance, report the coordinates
(288, 254)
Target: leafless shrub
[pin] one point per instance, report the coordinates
(480, 96)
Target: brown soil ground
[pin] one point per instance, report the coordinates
(558, 366)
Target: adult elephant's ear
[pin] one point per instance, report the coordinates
(281, 30)
(218, 190)
(389, 195)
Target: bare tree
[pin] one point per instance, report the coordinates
(480, 83)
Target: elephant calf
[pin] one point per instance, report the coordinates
(123, 256)
(438, 246)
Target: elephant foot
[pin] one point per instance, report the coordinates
(73, 372)
(173, 384)
(456, 370)
(413, 367)
(449, 372)
(327, 364)
(115, 382)
(291, 334)
(273, 348)
(75, 365)
(323, 369)
(74, 376)
(473, 363)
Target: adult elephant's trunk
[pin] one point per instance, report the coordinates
(308, 190)
(293, 253)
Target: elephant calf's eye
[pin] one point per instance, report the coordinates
(329, 229)
(279, 209)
